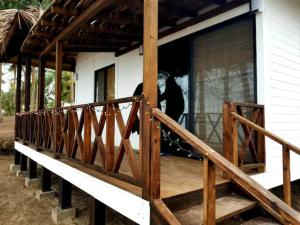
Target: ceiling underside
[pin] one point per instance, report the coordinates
(117, 27)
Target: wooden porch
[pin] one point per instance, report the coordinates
(85, 137)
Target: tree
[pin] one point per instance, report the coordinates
(22, 4)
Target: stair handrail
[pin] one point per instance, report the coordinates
(278, 208)
(286, 148)
(267, 133)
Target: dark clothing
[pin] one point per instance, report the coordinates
(139, 91)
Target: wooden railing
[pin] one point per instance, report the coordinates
(240, 140)
(78, 132)
(279, 209)
(286, 148)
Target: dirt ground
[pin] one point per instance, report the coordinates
(18, 205)
(7, 133)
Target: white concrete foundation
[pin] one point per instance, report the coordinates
(14, 168)
(39, 195)
(32, 182)
(59, 215)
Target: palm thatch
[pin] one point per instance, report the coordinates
(13, 21)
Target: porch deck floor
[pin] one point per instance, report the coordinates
(179, 175)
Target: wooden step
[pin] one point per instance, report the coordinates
(226, 207)
(260, 221)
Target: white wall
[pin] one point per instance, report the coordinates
(279, 75)
(129, 67)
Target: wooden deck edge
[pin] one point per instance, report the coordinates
(124, 202)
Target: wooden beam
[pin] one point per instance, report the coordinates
(94, 8)
(32, 169)
(64, 11)
(39, 33)
(149, 90)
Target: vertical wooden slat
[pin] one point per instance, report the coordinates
(149, 86)
(209, 192)
(87, 143)
(110, 138)
(71, 133)
(287, 195)
(261, 146)
(235, 142)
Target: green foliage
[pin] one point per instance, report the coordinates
(22, 4)
(8, 103)
(67, 90)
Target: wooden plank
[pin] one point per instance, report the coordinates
(261, 146)
(227, 131)
(209, 192)
(71, 133)
(150, 70)
(110, 138)
(287, 189)
(91, 11)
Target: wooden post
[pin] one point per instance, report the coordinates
(65, 194)
(110, 138)
(23, 166)
(230, 133)
(96, 212)
(41, 84)
(32, 169)
(287, 190)
(261, 146)
(46, 180)
(18, 106)
(41, 101)
(58, 87)
(150, 96)
(27, 83)
(209, 192)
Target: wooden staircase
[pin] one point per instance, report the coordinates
(214, 209)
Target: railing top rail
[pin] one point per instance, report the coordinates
(250, 105)
(268, 200)
(267, 133)
(95, 104)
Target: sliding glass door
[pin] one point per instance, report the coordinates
(222, 70)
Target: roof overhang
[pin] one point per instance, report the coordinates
(112, 25)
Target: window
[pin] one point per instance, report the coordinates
(105, 84)
(223, 70)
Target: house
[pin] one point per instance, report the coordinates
(236, 65)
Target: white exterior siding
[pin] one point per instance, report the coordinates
(278, 30)
(278, 76)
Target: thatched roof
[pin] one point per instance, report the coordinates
(14, 26)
